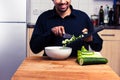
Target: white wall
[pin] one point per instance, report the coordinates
(36, 7)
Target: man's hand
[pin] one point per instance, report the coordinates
(58, 30)
(88, 39)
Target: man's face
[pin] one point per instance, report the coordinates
(62, 5)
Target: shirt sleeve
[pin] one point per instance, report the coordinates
(97, 42)
(40, 38)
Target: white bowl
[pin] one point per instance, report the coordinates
(58, 52)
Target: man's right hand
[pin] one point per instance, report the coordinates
(58, 30)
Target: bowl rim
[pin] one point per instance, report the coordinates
(50, 47)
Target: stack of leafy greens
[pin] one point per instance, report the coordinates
(73, 38)
(86, 57)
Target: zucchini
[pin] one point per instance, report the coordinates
(92, 60)
(83, 49)
(85, 53)
(86, 57)
(73, 38)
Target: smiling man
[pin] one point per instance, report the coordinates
(62, 7)
(52, 24)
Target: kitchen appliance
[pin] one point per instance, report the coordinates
(12, 36)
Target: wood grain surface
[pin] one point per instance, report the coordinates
(43, 68)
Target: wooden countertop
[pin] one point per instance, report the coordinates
(105, 26)
(43, 68)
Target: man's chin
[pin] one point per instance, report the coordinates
(63, 10)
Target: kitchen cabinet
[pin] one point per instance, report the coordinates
(29, 52)
(111, 46)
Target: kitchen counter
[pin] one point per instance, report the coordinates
(43, 68)
(106, 27)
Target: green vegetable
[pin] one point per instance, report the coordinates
(86, 57)
(92, 60)
(67, 41)
(83, 49)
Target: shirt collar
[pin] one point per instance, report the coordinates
(54, 13)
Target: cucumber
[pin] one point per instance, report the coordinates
(85, 52)
(83, 49)
(92, 60)
(86, 57)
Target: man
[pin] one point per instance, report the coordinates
(52, 24)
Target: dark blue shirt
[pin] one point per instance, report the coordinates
(73, 24)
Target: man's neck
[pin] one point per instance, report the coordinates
(66, 13)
